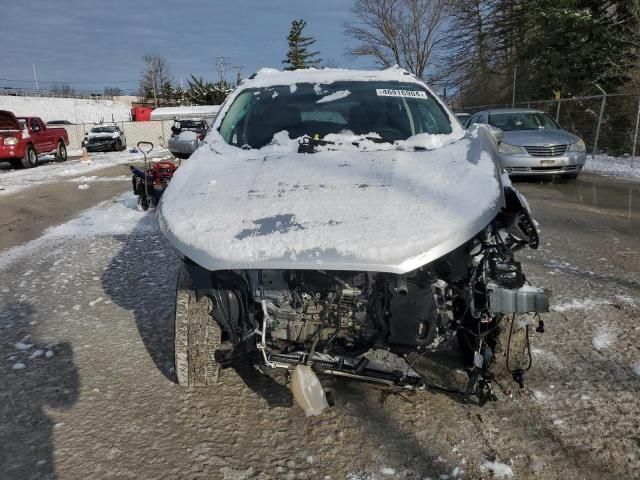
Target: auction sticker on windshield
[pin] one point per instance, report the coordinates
(388, 92)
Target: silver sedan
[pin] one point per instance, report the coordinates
(533, 143)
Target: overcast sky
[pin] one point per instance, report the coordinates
(87, 43)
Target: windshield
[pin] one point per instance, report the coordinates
(522, 121)
(104, 130)
(189, 124)
(389, 111)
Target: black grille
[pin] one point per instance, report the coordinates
(544, 151)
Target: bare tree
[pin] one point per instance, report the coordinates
(154, 76)
(473, 61)
(403, 32)
(62, 90)
(112, 91)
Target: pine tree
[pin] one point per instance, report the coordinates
(206, 93)
(299, 55)
(567, 45)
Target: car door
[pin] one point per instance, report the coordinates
(38, 136)
(49, 136)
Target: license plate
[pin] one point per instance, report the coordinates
(547, 162)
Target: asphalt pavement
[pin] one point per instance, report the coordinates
(87, 388)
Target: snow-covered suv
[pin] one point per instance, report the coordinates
(339, 221)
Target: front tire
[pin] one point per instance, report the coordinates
(61, 153)
(117, 147)
(197, 336)
(30, 158)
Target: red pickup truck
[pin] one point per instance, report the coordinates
(22, 139)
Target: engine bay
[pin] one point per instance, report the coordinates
(333, 320)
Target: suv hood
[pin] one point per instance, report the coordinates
(386, 211)
(8, 121)
(527, 138)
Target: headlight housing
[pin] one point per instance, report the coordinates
(507, 149)
(579, 146)
(10, 141)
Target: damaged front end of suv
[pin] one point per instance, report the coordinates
(342, 223)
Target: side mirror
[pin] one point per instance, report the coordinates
(497, 133)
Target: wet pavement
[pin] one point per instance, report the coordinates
(104, 402)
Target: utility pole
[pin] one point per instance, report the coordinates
(604, 102)
(35, 76)
(238, 69)
(515, 76)
(222, 63)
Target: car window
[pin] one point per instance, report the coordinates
(523, 121)
(392, 110)
(34, 124)
(473, 120)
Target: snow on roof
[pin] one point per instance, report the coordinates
(197, 111)
(270, 76)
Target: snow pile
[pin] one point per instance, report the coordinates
(14, 180)
(614, 166)
(583, 304)
(113, 217)
(605, 337)
(391, 210)
(499, 470)
(73, 110)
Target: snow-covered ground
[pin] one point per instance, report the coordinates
(86, 351)
(625, 167)
(73, 110)
(12, 181)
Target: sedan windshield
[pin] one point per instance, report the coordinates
(386, 111)
(523, 121)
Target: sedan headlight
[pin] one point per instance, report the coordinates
(579, 146)
(507, 149)
(10, 141)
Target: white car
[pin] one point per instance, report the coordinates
(340, 221)
(104, 138)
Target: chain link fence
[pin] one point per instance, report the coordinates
(157, 132)
(607, 123)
